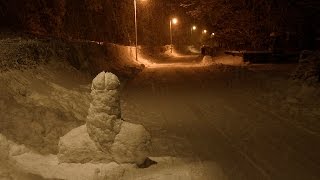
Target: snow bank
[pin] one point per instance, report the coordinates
(77, 146)
(19, 162)
(224, 60)
(38, 106)
(193, 50)
(207, 60)
(132, 144)
(44, 86)
(89, 57)
(229, 60)
(174, 52)
(124, 58)
(309, 67)
(154, 54)
(26, 164)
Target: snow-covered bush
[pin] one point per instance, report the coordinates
(309, 67)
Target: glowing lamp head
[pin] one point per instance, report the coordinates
(174, 20)
(205, 31)
(194, 27)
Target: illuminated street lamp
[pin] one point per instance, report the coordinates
(193, 28)
(172, 21)
(205, 31)
(136, 26)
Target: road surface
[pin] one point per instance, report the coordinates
(230, 115)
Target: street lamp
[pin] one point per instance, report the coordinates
(193, 28)
(172, 21)
(136, 26)
(205, 31)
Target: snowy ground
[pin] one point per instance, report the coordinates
(209, 119)
(250, 119)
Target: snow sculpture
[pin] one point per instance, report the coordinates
(120, 141)
(77, 147)
(103, 121)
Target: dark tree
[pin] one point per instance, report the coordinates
(249, 22)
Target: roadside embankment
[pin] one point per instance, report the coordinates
(45, 85)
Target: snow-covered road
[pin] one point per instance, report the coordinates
(251, 120)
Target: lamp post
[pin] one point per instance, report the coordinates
(172, 21)
(193, 28)
(136, 27)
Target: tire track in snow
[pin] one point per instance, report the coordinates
(197, 111)
(286, 124)
(270, 142)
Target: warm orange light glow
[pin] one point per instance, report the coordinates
(205, 31)
(194, 27)
(174, 20)
(212, 34)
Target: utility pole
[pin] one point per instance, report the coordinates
(171, 45)
(136, 27)
(172, 21)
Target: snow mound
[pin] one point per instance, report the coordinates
(19, 162)
(229, 60)
(173, 53)
(309, 67)
(207, 60)
(132, 144)
(223, 60)
(77, 146)
(9, 148)
(38, 106)
(124, 58)
(193, 50)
